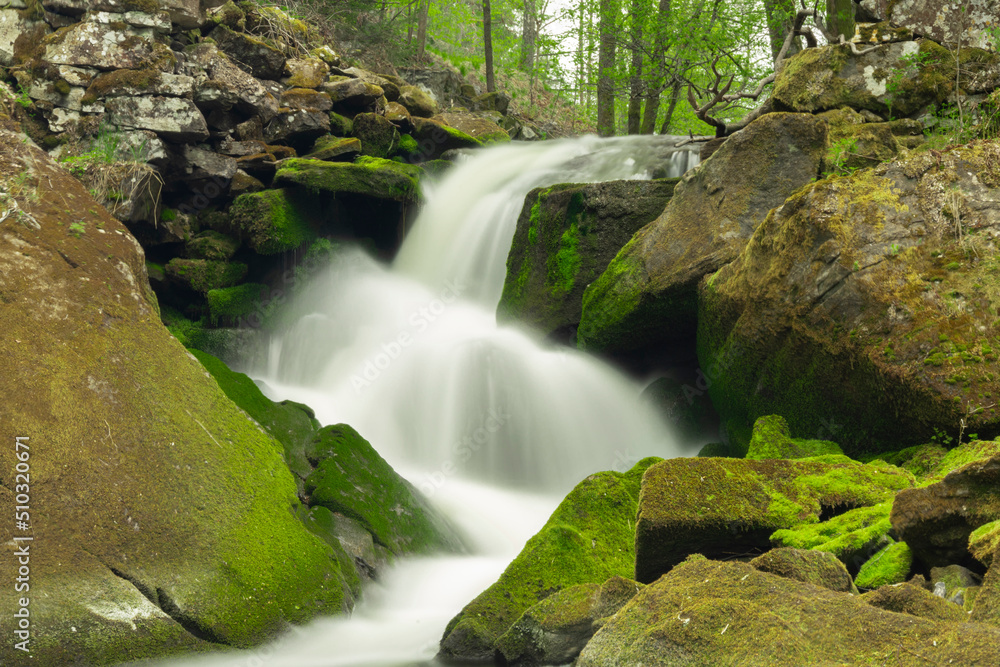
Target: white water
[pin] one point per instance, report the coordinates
(490, 423)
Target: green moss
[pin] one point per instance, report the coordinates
(567, 261)
(587, 539)
(275, 221)
(373, 177)
(984, 542)
(203, 275)
(848, 536)
(771, 439)
(379, 138)
(121, 81)
(236, 301)
(211, 244)
(407, 145)
(340, 126)
(891, 565)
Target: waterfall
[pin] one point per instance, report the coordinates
(493, 424)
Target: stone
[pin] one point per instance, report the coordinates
(954, 581)
(855, 537)
(158, 21)
(335, 149)
(708, 613)
(813, 567)
(74, 100)
(396, 113)
(229, 85)
(12, 26)
(434, 138)
(986, 606)
(242, 183)
(170, 117)
(945, 21)
(417, 102)
(481, 129)
(305, 72)
(251, 53)
(102, 46)
(566, 235)
(275, 221)
(305, 98)
(772, 439)
(495, 101)
(367, 558)
(588, 539)
(371, 177)
(725, 507)
(889, 566)
(297, 125)
(200, 164)
(855, 279)
(133, 83)
(937, 520)
(121, 390)
(913, 600)
(648, 293)
(340, 126)
(353, 93)
(202, 275)
(379, 138)
(389, 89)
(984, 542)
(442, 85)
(211, 244)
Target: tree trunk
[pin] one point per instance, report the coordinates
(675, 96)
(425, 6)
(780, 17)
(606, 68)
(635, 80)
(529, 31)
(488, 45)
(658, 68)
(840, 17)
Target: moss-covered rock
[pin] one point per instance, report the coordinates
(843, 316)
(904, 598)
(708, 613)
(852, 536)
(236, 302)
(814, 567)
(772, 439)
(891, 565)
(335, 149)
(340, 126)
(937, 520)
(379, 137)
(372, 177)
(417, 102)
(306, 72)
(986, 605)
(647, 294)
(352, 479)
(274, 221)
(586, 540)
(261, 59)
(554, 631)
(984, 542)
(434, 138)
(203, 275)
(211, 244)
(483, 130)
(565, 237)
(716, 506)
(167, 516)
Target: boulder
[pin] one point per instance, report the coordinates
(771, 439)
(211, 244)
(647, 295)
(913, 600)
(706, 613)
(351, 479)
(813, 567)
(275, 221)
(727, 507)
(417, 102)
(945, 21)
(892, 565)
(132, 83)
(554, 631)
(172, 118)
(228, 85)
(855, 536)
(483, 130)
(495, 101)
(379, 138)
(306, 98)
(106, 47)
(435, 138)
(937, 520)
(984, 542)
(252, 54)
(565, 237)
(986, 606)
(335, 149)
(352, 93)
(202, 275)
(12, 25)
(586, 540)
(200, 164)
(859, 309)
(181, 507)
(305, 72)
(441, 85)
(297, 126)
(368, 176)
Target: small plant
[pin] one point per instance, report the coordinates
(894, 249)
(77, 229)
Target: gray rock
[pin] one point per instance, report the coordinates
(254, 55)
(945, 21)
(228, 85)
(171, 117)
(352, 92)
(103, 46)
(297, 125)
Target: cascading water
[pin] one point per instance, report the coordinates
(489, 422)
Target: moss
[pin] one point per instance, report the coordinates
(379, 138)
(168, 215)
(274, 221)
(407, 145)
(373, 177)
(891, 565)
(235, 302)
(230, 16)
(771, 439)
(814, 567)
(352, 479)
(587, 539)
(120, 81)
(984, 542)
(921, 460)
(203, 275)
(211, 244)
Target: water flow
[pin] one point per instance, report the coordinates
(490, 423)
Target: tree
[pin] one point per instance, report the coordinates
(609, 11)
(529, 35)
(637, 16)
(422, 11)
(780, 15)
(840, 18)
(488, 45)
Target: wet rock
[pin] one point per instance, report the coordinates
(565, 237)
(211, 244)
(434, 138)
(252, 54)
(170, 117)
(648, 293)
(727, 507)
(813, 567)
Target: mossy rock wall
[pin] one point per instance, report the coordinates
(565, 237)
(647, 294)
(147, 482)
(586, 540)
(864, 309)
